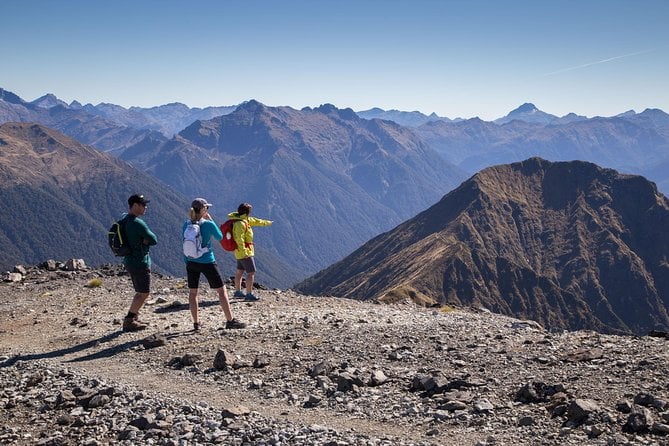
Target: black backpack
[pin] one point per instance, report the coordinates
(118, 241)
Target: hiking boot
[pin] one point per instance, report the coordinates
(250, 297)
(136, 319)
(132, 325)
(196, 326)
(239, 293)
(234, 323)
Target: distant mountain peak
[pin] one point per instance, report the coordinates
(628, 113)
(331, 110)
(252, 106)
(527, 112)
(527, 107)
(49, 100)
(10, 97)
(653, 111)
(326, 108)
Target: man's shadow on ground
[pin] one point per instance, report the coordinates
(116, 349)
(74, 349)
(105, 353)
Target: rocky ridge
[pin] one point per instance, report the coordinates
(570, 245)
(308, 370)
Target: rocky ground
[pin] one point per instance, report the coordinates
(308, 371)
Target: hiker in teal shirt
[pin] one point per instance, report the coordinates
(138, 262)
(203, 262)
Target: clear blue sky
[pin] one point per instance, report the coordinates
(456, 58)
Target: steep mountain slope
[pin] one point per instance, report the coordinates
(328, 179)
(59, 197)
(568, 244)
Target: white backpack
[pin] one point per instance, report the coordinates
(192, 246)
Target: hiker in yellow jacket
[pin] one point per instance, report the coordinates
(243, 235)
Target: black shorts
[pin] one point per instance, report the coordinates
(210, 271)
(141, 278)
(247, 264)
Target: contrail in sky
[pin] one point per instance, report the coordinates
(598, 62)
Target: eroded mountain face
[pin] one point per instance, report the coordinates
(567, 244)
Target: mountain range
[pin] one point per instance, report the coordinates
(327, 178)
(568, 244)
(166, 119)
(332, 180)
(636, 143)
(408, 119)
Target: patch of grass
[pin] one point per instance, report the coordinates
(447, 309)
(405, 293)
(94, 283)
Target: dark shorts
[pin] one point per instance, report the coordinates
(141, 278)
(210, 271)
(247, 264)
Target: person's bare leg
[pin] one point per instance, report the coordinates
(249, 282)
(138, 301)
(193, 304)
(225, 304)
(238, 279)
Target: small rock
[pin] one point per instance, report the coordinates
(223, 360)
(235, 411)
(378, 378)
(660, 428)
(153, 341)
(526, 421)
(639, 420)
(580, 409)
(20, 269)
(483, 405)
(453, 406)
(261, 361)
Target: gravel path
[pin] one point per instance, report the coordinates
(309, 371)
